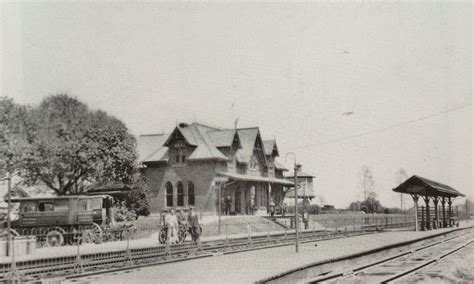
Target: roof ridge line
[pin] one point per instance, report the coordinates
(207, 125)
(245, 128)
(151, 134)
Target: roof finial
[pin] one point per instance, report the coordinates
(235, 123)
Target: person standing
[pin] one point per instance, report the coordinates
(182, 219)
(172, 223)
(193, 223)
(272, 207)
(228, 204)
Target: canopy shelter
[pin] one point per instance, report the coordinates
(245, 193)
(429, 191)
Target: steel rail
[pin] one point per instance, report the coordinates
(103, 262)
(363, 268)
(426, 263)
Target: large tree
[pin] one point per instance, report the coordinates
(15, 131)
(72, 147)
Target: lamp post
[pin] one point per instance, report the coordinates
(295, 169)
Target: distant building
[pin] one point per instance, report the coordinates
(192, 164)
(305, 185)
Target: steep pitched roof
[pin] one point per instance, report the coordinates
(206, 148)
(222, 138)
(247, 139)
(205, 138)
(270, 147)
(150, 147)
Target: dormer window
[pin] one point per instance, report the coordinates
(179, 146)
(253, 162)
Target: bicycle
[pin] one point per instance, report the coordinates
(163, 235)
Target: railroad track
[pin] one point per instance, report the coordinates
(89, 264)
(402, 265)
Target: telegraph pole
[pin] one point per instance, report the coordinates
(297, 223)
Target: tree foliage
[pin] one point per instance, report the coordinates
(367, 183)
(15, 131)
(369, 205)
(70, 147)
(138, 200)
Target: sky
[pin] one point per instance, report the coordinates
(292, 69)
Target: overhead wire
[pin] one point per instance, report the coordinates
(403, 123)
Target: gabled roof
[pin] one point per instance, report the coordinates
(270, 148)
(223, 138)
(150, 148)
(206, 139)
(248, 137)
(423, 186)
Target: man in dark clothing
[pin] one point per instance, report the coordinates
(193, 223)
(228, 204)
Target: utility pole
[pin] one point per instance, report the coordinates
(220, 209)
(297, 223)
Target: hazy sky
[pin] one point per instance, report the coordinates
(291, 69)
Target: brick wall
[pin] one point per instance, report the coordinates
(200, 173)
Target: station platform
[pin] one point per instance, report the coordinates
(257, 265)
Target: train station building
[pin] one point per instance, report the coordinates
(209, 168)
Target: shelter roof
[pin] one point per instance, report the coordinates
(243, 177)
(423, 186)
(280, 166)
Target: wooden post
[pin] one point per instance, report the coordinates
(428, 219)
(450, 212)
(415, 202)
(443, 203)
(435, 201)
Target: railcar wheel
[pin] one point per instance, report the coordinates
(163, 235)
(181, 234)
(54, 238)
(25, 232)
(93, 235)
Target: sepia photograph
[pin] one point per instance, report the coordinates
(322, 141)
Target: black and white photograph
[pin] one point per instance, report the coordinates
(322, 141)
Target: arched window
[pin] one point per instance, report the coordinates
(169, 194)
(190, 194)
(180, 189)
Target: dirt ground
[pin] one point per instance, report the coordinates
(456, 268)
